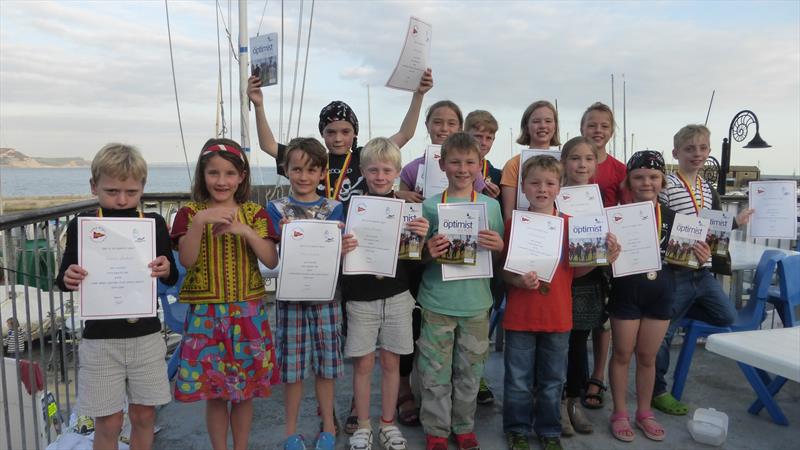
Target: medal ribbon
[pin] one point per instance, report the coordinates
(693, 192)
(342, 175)
(100, 213)
(473, 197)
(658, 220)
(485, 170)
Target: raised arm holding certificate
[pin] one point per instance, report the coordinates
(775, 209)
(376, 222)
(413, 59)
(483, 258)
(535, 244)
(309, 263)
(115, 252)
(582, 200)
(636, 229)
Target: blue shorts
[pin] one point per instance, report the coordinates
(309, 335)
(635, 296)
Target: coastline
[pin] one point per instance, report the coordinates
(17, 204)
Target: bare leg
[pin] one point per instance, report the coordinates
(362, 374)
(324, 388)
(143, 422)
(293, 393)
(624, 335)
(651, 333)
(217, 423)
(390, 383)
(241, 422)
(106, 432)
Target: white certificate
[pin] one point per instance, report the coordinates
(524, 155)
(115, 253)
(413, 61)
(483, 258)
(376, 222)
(580, 200)
(309, 265)
(775, 209)
(635, 227)
(434, 180)
(535, 244)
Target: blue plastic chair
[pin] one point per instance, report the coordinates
(174, 313)
(748, 318)
(789, 299)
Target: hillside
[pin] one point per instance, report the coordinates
(10, 157)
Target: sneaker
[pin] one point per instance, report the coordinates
(485, 395)
(295, 442)
(517, 441)
(435, 442)
(391, 438)
(566, 425)
(361, 439)
(551, 443)
(467, 441)
(325, 441)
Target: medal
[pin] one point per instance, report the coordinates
(132, 320)
(544, 288)
(378, 277)
(652, 275)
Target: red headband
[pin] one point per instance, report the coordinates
(222, 148)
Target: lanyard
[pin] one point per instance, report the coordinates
(693, 192)
(342, 175)
(658, 220)
(473, 197)
(100, 213)
(485, 170)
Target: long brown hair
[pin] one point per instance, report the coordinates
(525, 136)
(200, 190)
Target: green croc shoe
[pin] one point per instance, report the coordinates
(668, 404)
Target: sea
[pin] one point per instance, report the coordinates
(25, 182)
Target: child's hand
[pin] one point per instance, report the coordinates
(614, 248)
(215, 216)
(418, 226)
(702, 251)
(73, 276)
(426, 82)
(236, 228)
(254, 91)
(410, 196)
(437, 245)
(349, 243)
(528, 281)
(159, 267)
(744, 217)
(491, 189)
(490, 240)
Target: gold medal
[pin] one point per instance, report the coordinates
(132, 320)
(652, 275)
(544, 288)
(378, 277)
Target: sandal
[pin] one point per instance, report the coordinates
(408, 417)
(579, 421)
(597, 397)
(646, 421)
(351, 423)
(620, 425)
(666, 403)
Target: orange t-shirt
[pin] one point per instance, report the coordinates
(510, 176)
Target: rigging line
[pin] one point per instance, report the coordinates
(228, 34)
(305, 69)
(230, 65)
(219, 82)
(175, 87)
(296, 64)
(262, 18)
(280, 114)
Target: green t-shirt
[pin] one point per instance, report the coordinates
(461, 298)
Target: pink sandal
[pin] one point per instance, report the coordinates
(620, 425)
(646, 421)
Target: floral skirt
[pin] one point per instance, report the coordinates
(226, 353)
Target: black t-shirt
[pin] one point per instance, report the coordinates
(495, 174)
(119, 328)
(353, 184)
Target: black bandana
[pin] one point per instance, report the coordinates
(337, 110)
(646, 159)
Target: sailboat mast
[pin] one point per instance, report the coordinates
(244, 63)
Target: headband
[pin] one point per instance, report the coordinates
(222, 148)
(646, 159)
(337, 110)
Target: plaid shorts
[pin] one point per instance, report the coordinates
(309, 335)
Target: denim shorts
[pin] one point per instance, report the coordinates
(635, 296)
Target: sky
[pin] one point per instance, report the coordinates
(75, 75)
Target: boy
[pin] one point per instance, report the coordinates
(15, 340)
(537, 322)
(454, 342)
(698, 294)
(120, 355)
(379, 308)
(307, 332)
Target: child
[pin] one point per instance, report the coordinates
(15, 340)
(454, 341)
(537, 321)
(120, 357)
(698, 294)
(338, 126)
(538, 129)
(226, 351)
(379, 309)
(640, 307)
(308, 333)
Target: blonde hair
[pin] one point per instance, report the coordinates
(525, 136)
(688, 132)
(380, 149)
(544, 162)
(481, 120)
(602, 107)
(460, 142)
(119, 161)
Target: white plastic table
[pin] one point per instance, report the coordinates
(759, 353)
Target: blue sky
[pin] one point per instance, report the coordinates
(75, 75)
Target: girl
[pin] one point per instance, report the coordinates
(579, 159)
(226, 351)
(640, 308)
(538, 129)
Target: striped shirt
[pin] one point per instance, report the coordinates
(678, 198)
(15, 341)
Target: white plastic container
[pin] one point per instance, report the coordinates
(708, 426)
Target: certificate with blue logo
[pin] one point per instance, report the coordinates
(535, 244)
(309, 266)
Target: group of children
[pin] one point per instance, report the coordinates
(415, 320)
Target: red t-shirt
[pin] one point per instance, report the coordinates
(530, 310)
(610, 175)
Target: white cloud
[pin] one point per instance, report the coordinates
(356, 73)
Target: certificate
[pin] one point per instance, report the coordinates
(635, 227)
(115, 253)
(719, 230)
(775, 209)
(410, 242)
(483, 257)
(376, 222)
(580, 200)
(686, 230)
(434, 181)
(535, 244)
(413, 61)
(309, 265)
(524, 155)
